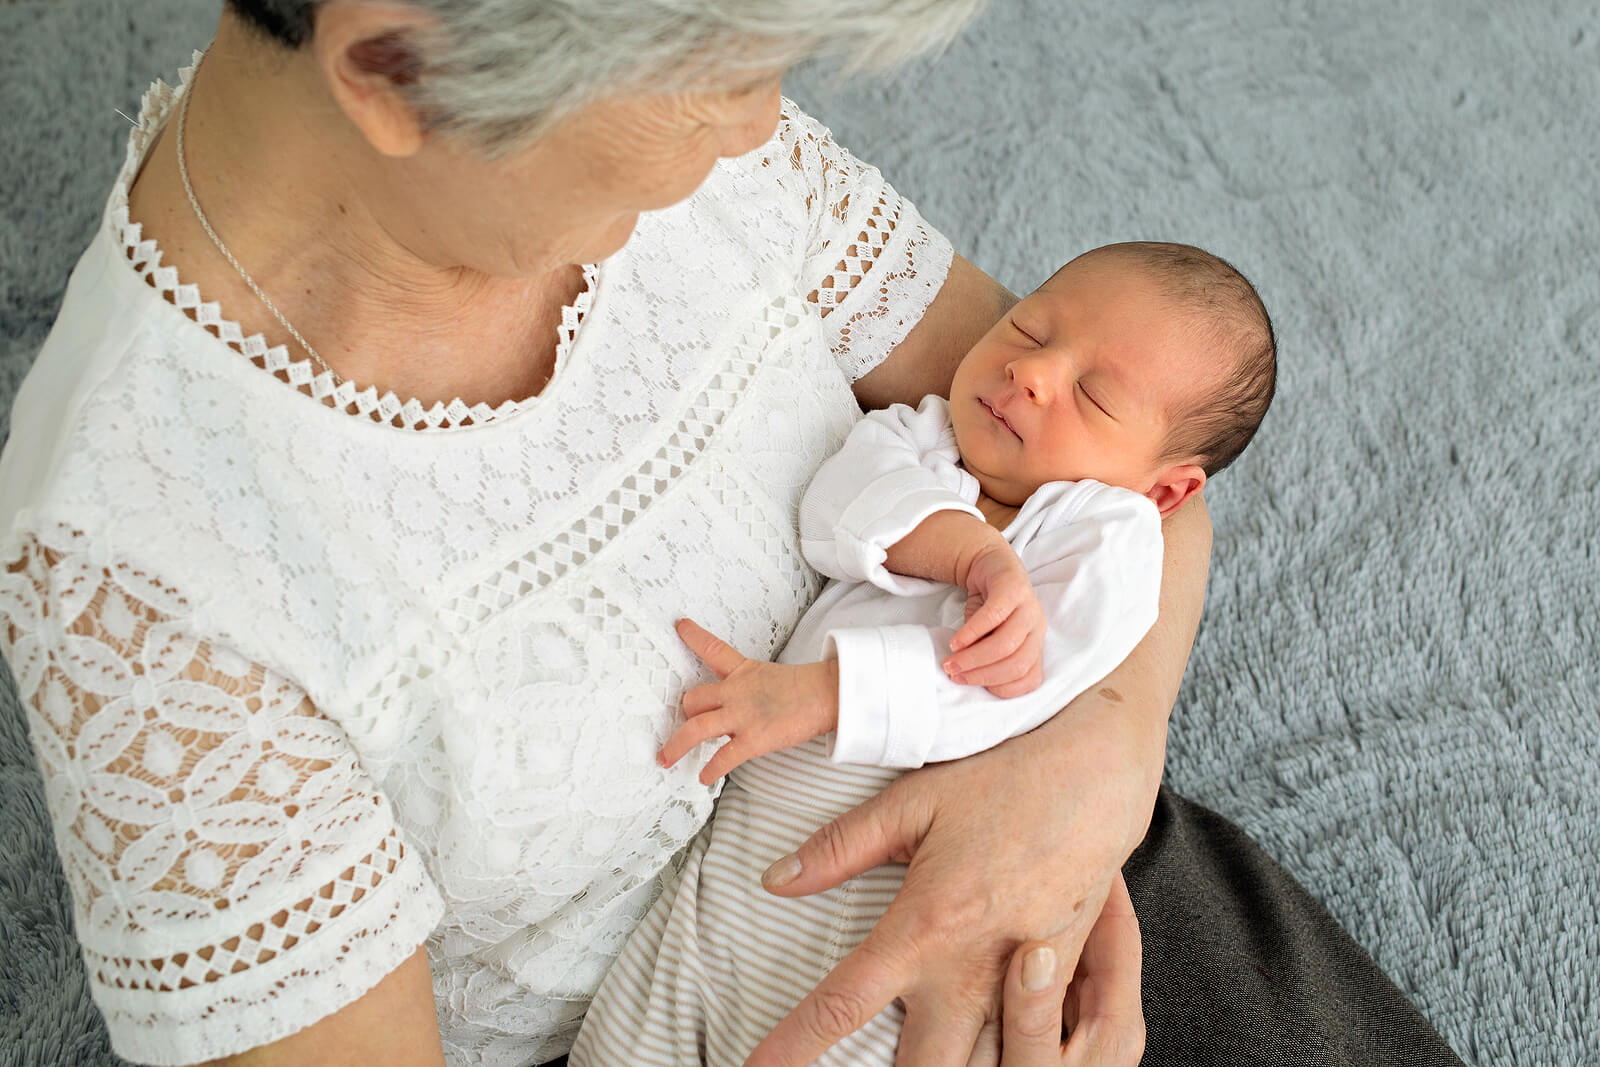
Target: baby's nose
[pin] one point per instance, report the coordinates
(1030, 378)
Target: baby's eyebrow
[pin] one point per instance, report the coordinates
(1116, 379)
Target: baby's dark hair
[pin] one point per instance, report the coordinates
(1229, 318)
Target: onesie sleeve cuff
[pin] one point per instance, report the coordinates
(886, 689)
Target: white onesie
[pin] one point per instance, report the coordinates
(719, 961)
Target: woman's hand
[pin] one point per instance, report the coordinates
(758, 706)
(1097, 1020)
(1017, 845)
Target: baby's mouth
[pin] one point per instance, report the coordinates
(1003, 420)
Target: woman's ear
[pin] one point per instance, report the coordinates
(367, 53)
(1174, 485)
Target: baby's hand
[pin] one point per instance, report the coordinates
(759, 706)
(1001, 644)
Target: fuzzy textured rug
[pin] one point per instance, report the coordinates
(1397, 684)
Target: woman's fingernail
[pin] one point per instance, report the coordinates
(1039, 969)
(781, 873)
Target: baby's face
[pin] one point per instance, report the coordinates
(1079, 380)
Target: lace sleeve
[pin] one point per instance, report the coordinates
(872, 265)
(235, 876)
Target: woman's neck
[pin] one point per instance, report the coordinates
(286, 202)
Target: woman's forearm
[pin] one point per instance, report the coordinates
(395, 1023)
(1128, 710)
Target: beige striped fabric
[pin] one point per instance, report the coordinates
(719, 961)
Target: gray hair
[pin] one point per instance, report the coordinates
(500, 71)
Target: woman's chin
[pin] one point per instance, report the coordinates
(611, 241)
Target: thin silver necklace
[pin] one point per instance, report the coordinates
(205, 224)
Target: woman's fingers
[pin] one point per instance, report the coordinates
(883, 830)
(986, 1050)
(713, 651)
(1109, 1027)
(1036, 985)
(1101, 1009)
(939, 1035)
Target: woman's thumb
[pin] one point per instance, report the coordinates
(888, 828)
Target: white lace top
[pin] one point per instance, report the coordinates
(311, 684)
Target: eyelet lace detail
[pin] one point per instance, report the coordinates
(452, 654)
(144, 256)
(871, 279)
(199, 795)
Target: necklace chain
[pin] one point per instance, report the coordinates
(205, 224)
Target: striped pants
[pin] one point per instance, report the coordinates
(719, 961)
(1242, 967)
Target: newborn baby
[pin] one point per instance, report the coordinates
(993, 556)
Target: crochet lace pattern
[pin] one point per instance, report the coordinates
(317, 676)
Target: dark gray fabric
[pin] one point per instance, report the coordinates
(1242, 968)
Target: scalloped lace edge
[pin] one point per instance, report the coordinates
(144, 256)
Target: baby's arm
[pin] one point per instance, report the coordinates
(1094, 555)
(1000, 644)
(893, 507)
(758, 706)
(898, 467)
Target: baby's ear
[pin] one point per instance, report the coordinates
(1174, 485)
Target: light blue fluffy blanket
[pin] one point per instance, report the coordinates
(1396, 685)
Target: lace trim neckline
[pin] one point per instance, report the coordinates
(144, 256)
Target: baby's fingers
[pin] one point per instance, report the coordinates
(980, 621)
(695, 732)
(1026, 684)
(727, 758)
(1009, 676)
(713, 651)
(997, 646)
(702, 698)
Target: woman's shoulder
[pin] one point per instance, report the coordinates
(104, 323)
(801, 161)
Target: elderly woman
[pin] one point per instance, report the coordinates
(432, 357)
